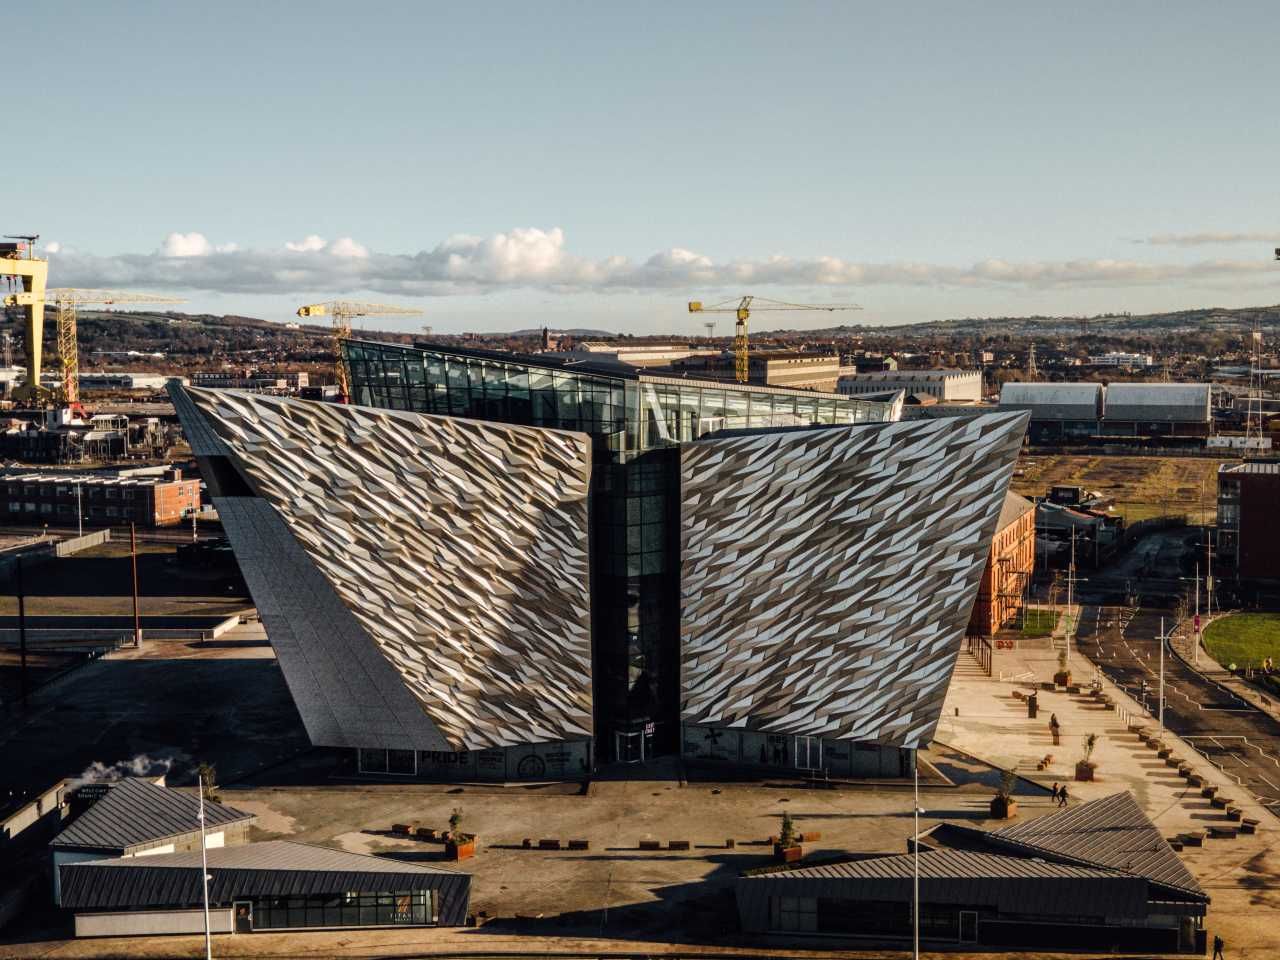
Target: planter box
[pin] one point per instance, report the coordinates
(792, 854)
(461, 849)
(1084, 771)
(1003, 809)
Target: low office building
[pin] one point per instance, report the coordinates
(271, 886)
(1010, 566)
(100, 499)
(519, 568)
(1248, 519)
(944, 386)
(121, 380)
(1099, 876)
(136, 817)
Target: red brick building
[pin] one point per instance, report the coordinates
(149, 500)
(1249, 519)
(1009, 567)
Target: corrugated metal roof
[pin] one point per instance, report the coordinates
(946, 864)
(1158, 402)
(1054, 401)
(274, 868)
(1112, 832)
(136, 811)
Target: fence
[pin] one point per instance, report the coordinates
(65, 548)
(980, 648)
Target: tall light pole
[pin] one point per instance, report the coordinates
(915, 879)
(204, 872)
(79, 513)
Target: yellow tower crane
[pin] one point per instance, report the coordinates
(342, 312)
(743, 307)
(24, 275)
(67, 299)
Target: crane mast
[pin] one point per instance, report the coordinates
(743, 309)
(342, 312)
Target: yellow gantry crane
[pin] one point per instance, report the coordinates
(25, 275)
(342, 312)
(743, 307)
(67, 299)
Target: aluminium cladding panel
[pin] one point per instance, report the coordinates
(828, 574)
(347, 693)
(459, 546)
(1054, 401)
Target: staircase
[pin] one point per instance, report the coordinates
(967, 665)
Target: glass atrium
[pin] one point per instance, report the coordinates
(637, 421)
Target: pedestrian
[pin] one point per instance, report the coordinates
(1217, 949)
(1062, 796)
(1055, 791)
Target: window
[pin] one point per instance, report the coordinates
(795, 913)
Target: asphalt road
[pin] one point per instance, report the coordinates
(1233, 734)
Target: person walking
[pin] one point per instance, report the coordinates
(1217, 948)
(1055, 791)
(1062, 796)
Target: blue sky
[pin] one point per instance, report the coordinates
(510, 165)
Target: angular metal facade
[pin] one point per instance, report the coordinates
(458, 546)
(828, 574)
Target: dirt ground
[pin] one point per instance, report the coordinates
(1142, 487)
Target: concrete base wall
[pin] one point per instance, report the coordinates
(150, 922)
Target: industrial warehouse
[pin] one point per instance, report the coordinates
(518, 568)
(1067, 412)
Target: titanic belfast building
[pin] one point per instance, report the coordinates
(497, 566)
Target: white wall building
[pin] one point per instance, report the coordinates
(946, 386)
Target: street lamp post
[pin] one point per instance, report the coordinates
(79, 513)
(915, 879)
(204, 873)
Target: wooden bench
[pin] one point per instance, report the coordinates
(1193, 838)
(1220, 802)
(1248, 825)
(1184, 771)
(650, 844)
(678, 844)
(1234, 813)
(1195, 780)
(1164, 752)
(579, 845)
(1208, 790)
(548, 844)
(1172, 761)
(1176, 843)
(1223, 832)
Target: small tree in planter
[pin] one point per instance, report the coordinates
(1063, 677)
(460, 846)
(1086, 766)
(787, 849)
(1003, 806)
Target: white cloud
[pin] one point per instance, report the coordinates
(53, 246)
(310, 244)
(540, 259)
(192, 245)
(1207, 239)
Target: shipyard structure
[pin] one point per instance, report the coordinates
(495, 566)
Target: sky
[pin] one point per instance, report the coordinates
(504, 166)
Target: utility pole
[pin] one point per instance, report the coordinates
(22, 626)
(79, 513)
(1163, 638)
(133, 552)
(1196, 632)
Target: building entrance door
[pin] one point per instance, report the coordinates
(629, 746)
(244, 916)
(808, 753)
(968, 926)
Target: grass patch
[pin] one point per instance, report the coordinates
(1040, 623)
(1244, 639)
